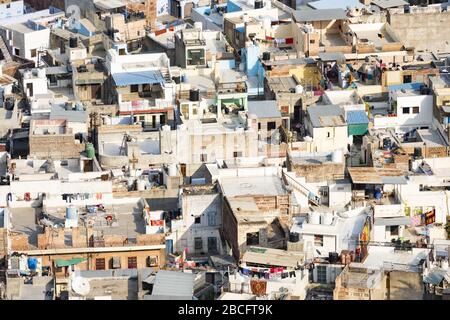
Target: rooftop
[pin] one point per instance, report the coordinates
(372, 175)
(319, 15)
(264, 109)
(273, 257)
(253, 185)
(326, 116)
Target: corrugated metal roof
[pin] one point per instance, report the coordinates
(319, 15)
(396, 221)
(264, 109)
(124, 79)
(173, 284)
(357, 117)
(333, 4)
(331, 56)
(385, 4)
(326, 116)
(273, 257)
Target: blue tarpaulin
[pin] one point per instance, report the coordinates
(124, 79)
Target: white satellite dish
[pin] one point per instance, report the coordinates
(81, 286)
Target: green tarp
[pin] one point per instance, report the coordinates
(66, 263)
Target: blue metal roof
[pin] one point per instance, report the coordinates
(406, 86)
(357, 117)
(124, 79)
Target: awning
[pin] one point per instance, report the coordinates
(124, 79)
(66, 263)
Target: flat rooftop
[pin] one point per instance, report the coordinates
(387, 257)
(263, 185)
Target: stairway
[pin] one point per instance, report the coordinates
(166, 75)
(312, 197)
(5, 51)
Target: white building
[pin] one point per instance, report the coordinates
(11, 8)
(325, 232)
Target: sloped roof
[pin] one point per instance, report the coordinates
(326, 116)
(264, 109)
(173, 284)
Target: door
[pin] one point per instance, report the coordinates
(30, 89)
(162, 119)
(297, 112)
(212, 244)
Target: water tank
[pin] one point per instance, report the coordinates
(314, 218)
(32, 263)
(245, 17)
(27, 74)
(73, 42)
(172, 170)
(327, 218)
(34, 105)
(414, 166)
(294, 237)
(259, 4)
(336, 156)
(71, 213)
(194, 95)
(90, 150)
(266, 56)
(241, 66)
(41, 73)
(198, 26)
(299, 89)
(377, 194)
(267, 23)
(141, 185)
(80, 286)
(333, 257)
(79, 106)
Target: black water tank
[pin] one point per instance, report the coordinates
(194, 95)
(259, 4)
(333, 257)
(73, 42)
(294, 237)
(266, 56)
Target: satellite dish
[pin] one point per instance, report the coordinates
(81, 286)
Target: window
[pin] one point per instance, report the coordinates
(407, 79)
(17, 52)
(321, 274)
(271, 125)
(259, 125)
(394, 230)
(100, 264)
(8, 6)
(328, 134)
(195, 57)
(212, 244)
(198, 220)
(203, 157)
(312, 41)
(253, 238)
(237, 154)
(134, 88)
(318, 240)
(405, 110)
(198, 243)
(33, 53)
(415, 110)
(152, 261)
(132, 262)
(212, 218)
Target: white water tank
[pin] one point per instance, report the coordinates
(414, 166)
(27, 74)
(34, 105)
(308, 139)
(314, 218)
(444, 264)
(141, 185)
(198, 26)
(336, 156)
(327, 218)
(267, 23)
(245, 17)
(298, 89)
(41, 73)
(173, 170)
